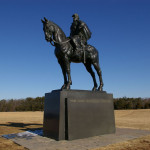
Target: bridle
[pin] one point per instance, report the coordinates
(58, 42)
(55, 42)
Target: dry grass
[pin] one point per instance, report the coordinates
(136, 119)
(23, 117)
(142, 143)
(13, 122)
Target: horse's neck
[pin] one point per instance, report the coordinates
(59, 35)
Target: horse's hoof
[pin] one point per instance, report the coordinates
(94, 89)
(63, 87)
(68, 87)
(100, 88)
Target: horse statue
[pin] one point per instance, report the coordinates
(66, 54)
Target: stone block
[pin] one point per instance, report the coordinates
(76, 114)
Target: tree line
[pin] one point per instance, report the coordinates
(37, 104)
(27, 104)
(131, 103)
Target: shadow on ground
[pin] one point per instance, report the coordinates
(22, 125)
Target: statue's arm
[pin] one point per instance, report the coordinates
(82, 24)
(71, 31)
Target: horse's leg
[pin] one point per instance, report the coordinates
(99, 72)
(90, 70)
(64, 74)
(67, 67)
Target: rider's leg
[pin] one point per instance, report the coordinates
(76, 42)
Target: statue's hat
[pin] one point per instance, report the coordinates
(75, 15)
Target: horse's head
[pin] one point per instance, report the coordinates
(48, 29)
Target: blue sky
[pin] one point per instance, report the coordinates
(120, 32)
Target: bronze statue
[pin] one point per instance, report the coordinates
(79, 33)
(73, 49)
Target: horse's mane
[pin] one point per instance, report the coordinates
(51, 22)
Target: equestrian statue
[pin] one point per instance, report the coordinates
(73, 49)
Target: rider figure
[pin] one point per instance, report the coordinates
(80, 33)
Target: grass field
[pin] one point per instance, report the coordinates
(13, 122)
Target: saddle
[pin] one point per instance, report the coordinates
(80, 51)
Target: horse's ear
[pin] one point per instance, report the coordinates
(42, 21)
(45, 19)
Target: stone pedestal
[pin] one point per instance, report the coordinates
(76, 114)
